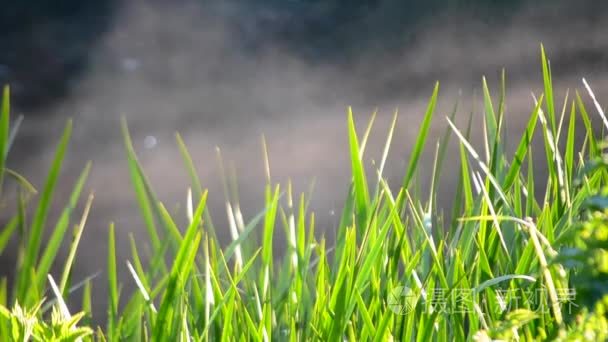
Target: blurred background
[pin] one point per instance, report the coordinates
(222, 73)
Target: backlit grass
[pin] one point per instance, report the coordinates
(508, 263)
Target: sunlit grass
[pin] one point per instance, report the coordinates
(503, 265)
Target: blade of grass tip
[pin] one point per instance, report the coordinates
(358, 172)
(600, 111)
(490, 118)
(189, 164)
(223, 175)
(236, 209)
(232, 182)
(52, 247)
(72, 254)
(36, 229)
(139, 186)
(112, 283)
(569, 156)
(4, 131)
(63, 308)
(235, 235)
(266, 160)
(25, 184)
(421, 140)
(193, 172)
(548, 84)
(387, 145)
(433, 189)
(367, 133)
(503, 94)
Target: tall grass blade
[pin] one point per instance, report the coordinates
(40, 215)
(4, 132)
(54, 243)
(112, 285)
(358, 171)
(182, 266)
(74, 246)
(421, 139)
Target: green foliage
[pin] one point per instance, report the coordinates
(587, 258)
(504, 266)
(24, 325)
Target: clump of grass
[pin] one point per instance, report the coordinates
(504, 266)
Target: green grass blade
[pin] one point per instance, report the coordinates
(421, 139)
(593, 145)
(112, 285)
(4, 131)
(490, 117)
(52, 247)
(74, 246)
(7, 232)
(358, 172)
(522, 148)
(548, 84)
(139, 185)
(189, 164)
(24, 183)
(37, 227)
(182, 266)
(570, 141)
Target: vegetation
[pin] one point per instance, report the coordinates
(506, 263)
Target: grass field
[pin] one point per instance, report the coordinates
(505, 263)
